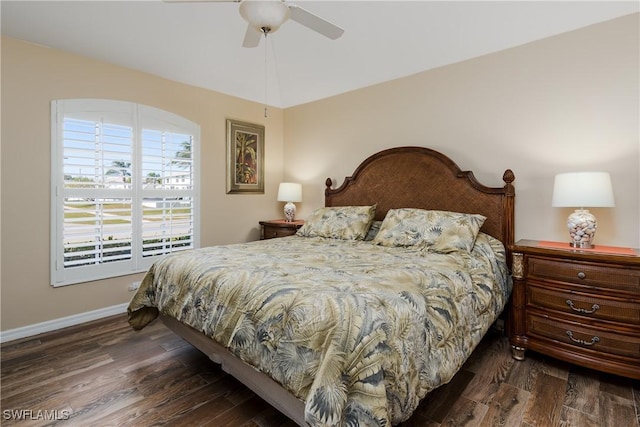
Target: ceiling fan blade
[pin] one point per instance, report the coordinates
(314, 22)
(201, 1)
(251, 37)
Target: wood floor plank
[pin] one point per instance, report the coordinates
(18, 348)
(438, 403)
(47, 388)
(570, 417)
(21, 383)
(156, 412)
(490, 371)
(616, 410)
(272, 417)
(238, 414)
(583, 391)
(417, 420)
(79, 379)
(525, 373)
(465, 413)
(106, 374)
(492, 345)
(618, 386)
(140, 363)
(544, 406)
(173, 383)
(203, 413)
(87, 411)
(506, 407)
(636, 400)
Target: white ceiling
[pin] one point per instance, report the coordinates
(200, 43)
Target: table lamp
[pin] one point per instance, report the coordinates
(289, 192)
(582, 190)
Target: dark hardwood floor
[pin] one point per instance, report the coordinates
(105, 374)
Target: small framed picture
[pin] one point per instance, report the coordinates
(245, 157)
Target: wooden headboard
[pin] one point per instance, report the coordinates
(418, 177)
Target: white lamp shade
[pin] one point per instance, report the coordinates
(583, 189)
(264, 13)
(290, 192)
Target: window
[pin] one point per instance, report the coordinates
(124, 188)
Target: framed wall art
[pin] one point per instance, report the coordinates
(245, 157)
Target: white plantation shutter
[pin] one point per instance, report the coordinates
(124, 188)
(168, 169)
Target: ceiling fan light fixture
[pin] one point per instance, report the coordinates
(264, 14)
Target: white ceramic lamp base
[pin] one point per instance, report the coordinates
(289, 212)
(582, 228)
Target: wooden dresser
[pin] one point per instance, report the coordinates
(581, 306)
(278, 228)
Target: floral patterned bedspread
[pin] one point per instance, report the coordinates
(359, 332)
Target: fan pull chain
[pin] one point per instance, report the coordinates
(265, 71)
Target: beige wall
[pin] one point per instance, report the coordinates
(562, 104)
(32, 76)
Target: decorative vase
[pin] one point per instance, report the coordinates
(289, 211)
(582, 228)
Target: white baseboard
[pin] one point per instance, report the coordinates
(63, 322)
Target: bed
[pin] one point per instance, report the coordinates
(380, 297)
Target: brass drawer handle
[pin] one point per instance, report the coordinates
(581, 275)
(583, 342)
(594, 308)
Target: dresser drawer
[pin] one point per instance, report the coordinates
(273, 232)
(584, 304)
(589, 274)
(583, 336)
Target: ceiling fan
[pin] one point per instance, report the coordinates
(266, 16)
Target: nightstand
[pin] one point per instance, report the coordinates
(279, 228)
(578, 305)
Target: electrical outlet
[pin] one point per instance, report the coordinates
(134, 286)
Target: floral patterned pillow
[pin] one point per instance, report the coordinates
(341, 222)
(437, 231)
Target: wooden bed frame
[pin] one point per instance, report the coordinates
(402, 177)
